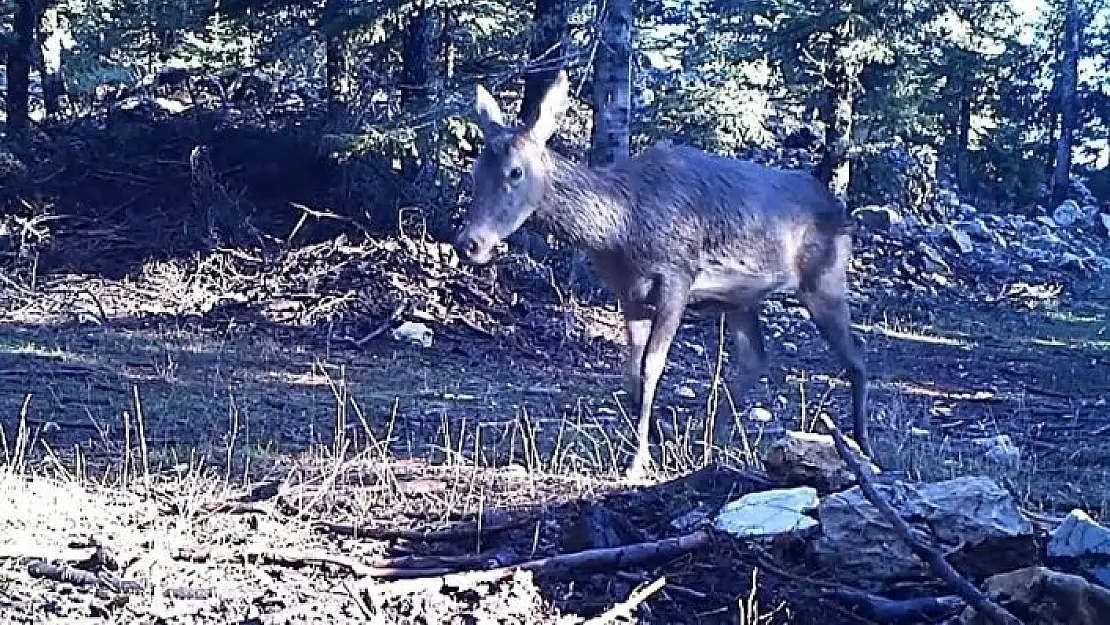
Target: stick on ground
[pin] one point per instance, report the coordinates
(932, 556)
(626, 607)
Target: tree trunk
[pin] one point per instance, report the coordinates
(612, 84)
(1069, 105)
(546, 47)
(835, 112)
(19, 68)
(963, 140)
(53, 35)
(418, 57)
(334, 61)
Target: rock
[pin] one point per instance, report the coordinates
(971, 518)
(1046, 221)
(760, 414)
(1077, 189)
(1000, 449)
(811, 459)
(977, 229)
(413, 332)
(959, 239)
(768, 513)
(1072, 262)
(1079, 536)
(880, 218)
(1041, 596)
(932, 260)
(1067, 213)
(685, 392)
(687, 522)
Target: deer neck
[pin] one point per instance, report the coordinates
(585, 207)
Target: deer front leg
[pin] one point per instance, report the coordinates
(671, 296)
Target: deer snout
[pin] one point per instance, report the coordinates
(475, 247)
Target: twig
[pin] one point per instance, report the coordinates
(934, 558)
(283, 557)
(670, 587)
(1034, 390)
(626, 607)
(382, 328)
(451, 534)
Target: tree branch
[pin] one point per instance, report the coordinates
(932, 556)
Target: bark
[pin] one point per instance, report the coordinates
(1069, 103)
(612, 84)
(835, 113)
(19, 67)
(550, 30)
(963, 139)
(53, 77)
(419, 60)
(334, 61)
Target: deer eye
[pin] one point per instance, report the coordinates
(515, 174)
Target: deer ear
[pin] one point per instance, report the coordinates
(489, 113)
(552, 108)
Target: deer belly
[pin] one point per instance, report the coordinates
(735, 285)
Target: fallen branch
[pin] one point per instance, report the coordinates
(451, 534)
(626, 607)
(71, 575)
(885, 610)
(933, 557)
(382, 568)
(590, 560)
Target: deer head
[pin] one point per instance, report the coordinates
(510, 176)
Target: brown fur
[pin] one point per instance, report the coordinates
(673, 226)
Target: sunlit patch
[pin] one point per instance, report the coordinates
(295, 379)
(1071, 344)
(45, 352)
(931, 390)
(1072, 317)
(917, 336)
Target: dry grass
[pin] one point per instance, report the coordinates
(138, 436)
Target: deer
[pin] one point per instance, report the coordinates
(669, 228)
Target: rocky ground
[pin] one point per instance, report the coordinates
(269, 436)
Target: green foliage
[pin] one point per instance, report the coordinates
(945, 77)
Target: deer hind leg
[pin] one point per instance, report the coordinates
(671, 296)
(637, 327)
(827, 304)
(749, 354)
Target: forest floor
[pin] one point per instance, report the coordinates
(149, 435)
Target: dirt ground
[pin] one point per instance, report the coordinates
(249, 473)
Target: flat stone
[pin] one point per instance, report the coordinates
(768, 513)
(1079, 536)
